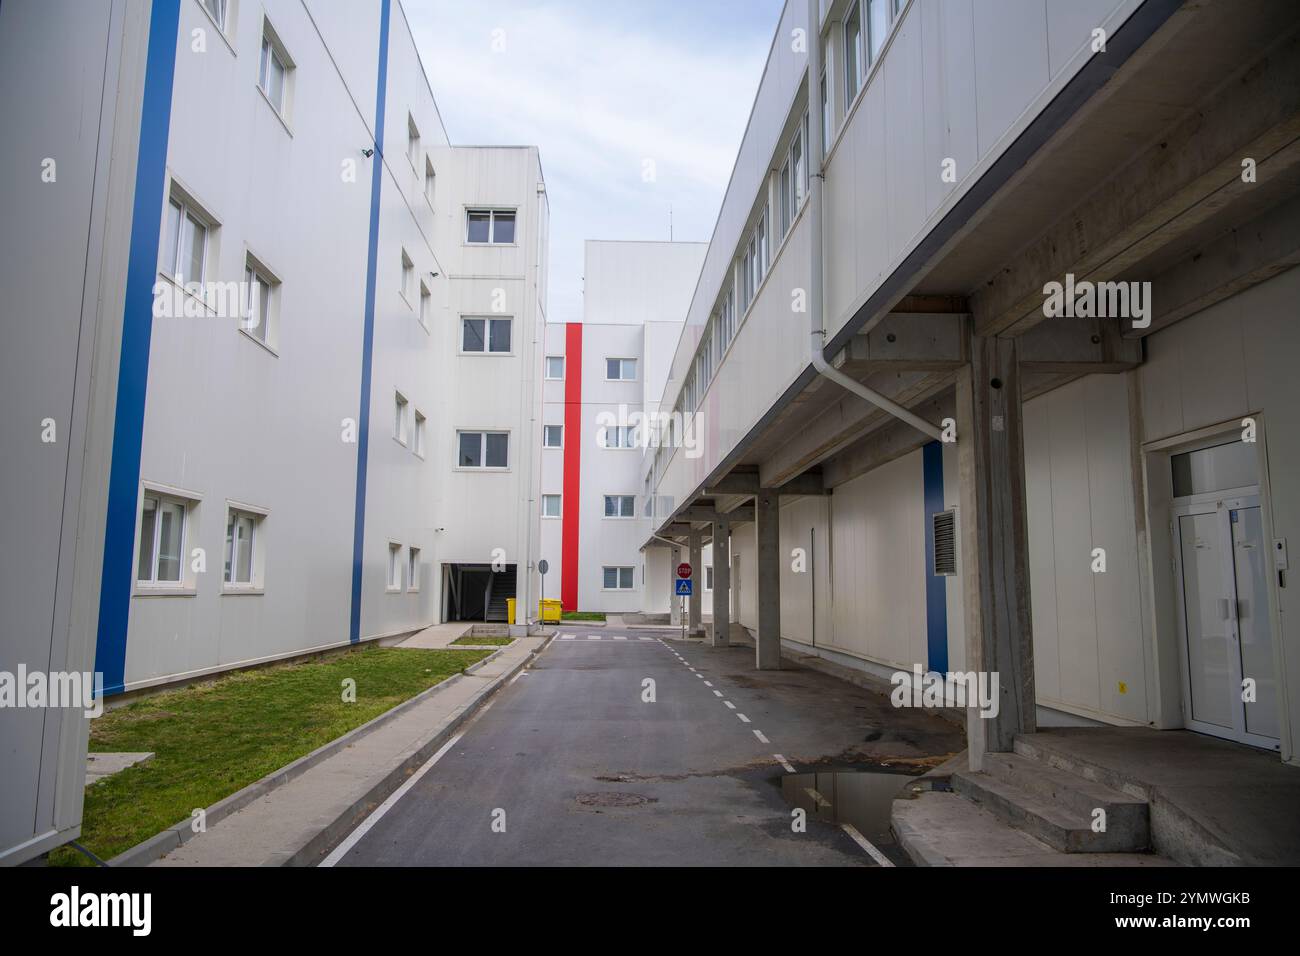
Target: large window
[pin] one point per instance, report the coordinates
(550, 506)
(852, 54)
(620, 369)
(241, 536)
(490, 226)
(162, 540)
(184, 249)
(620, 506)
(620, 436)
(273, 70)
(617, 579)
(483, 449)
(485, 335)
(552, 436)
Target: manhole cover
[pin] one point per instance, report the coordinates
(612, 798)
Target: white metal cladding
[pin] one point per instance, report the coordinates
(955, 80)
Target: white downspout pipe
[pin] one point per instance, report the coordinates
(816, 161)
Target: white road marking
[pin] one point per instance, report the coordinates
(566, 637)
(699, 675)
(744, 720)
(645, 638)
(717, 693)
(619, 637)
(759, 735)
(863, 842)
(727, 702)
(519, 675)
(784, 763)
(593, 637)
(821, 801)
(708, 684)
(355, 836)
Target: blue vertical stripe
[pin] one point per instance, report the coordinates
(368, 335)
(936, 590)
(137, 329)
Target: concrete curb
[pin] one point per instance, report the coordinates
(160, 844)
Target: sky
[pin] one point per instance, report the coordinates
(637, 106)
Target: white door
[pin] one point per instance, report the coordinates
(1229, 686)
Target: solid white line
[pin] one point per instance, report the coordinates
(355, 836)
(727, 702)
(863, 842)
(744, 719)
(759, 735)
(784, 763)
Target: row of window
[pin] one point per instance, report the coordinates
(162, 555)
(616, 506)
(396, 564)
(411, 434)
(610, 436)
(616, 369)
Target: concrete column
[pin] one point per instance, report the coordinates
(767, 515)
(694, 602)
(995, 542)
(721, 582)
(674, 602)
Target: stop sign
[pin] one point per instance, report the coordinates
(683, 570)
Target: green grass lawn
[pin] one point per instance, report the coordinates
(212, 740)
(582, 615)
(484, 641)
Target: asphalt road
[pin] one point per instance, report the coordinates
(571, 766)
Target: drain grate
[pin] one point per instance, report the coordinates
(612, 798)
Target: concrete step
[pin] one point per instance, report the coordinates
(1073, 793)
(1066, 830)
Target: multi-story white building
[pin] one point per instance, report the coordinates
(302, 350)
(1094, 502)
(603, 380)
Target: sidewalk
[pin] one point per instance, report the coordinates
(297, 822)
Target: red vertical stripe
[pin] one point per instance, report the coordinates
(572, 501)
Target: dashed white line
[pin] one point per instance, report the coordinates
(708, 684)
(619, 637)
(784, 763)
(593, 637)
(744, 720)
(762, 739)
(717, 693)
(863, 842)
(566, 637)
(727, 702)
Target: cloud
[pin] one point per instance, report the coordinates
(602, 88)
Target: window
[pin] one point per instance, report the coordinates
(792, 184)
(827, 106)
(430, 180)
(485, 335)
(241, 537)
(408, 276)
(708, 577)
(555, 367)
(412, 141)
(184, 248)
(426, 305)
(552, 436)
(399, 417)
(419, 433)
(483, 449)
(620, 506)
(620, 436)
(259, 304)
(412, 569)
(217, 9)
(550, 506)
(618, 579)
(162, 540)
(620, 369)
(273, 70)
(754, 262)
(394, 567)
(852, 54)
(879, 16)
(493, 226)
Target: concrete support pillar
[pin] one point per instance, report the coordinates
(674, 602)
(767, 515)
(721, 635)
(694, 602)
(995, 543)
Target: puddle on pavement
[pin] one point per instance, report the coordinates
(862, 798)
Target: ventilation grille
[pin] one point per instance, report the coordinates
(945, 542)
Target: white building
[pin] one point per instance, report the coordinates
(1109, 529)
(603, 380)
(301, 351)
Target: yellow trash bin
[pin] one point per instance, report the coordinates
(549, 609)
(510, 610)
